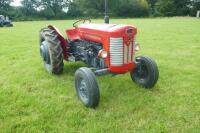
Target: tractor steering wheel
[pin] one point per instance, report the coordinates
(81, 20)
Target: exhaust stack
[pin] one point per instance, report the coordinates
(106, 18)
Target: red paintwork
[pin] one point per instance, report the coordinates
(72, 34)
(64, 43)
(101, 33)
(122, 69)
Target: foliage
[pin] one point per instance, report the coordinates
(132, 8)
(54, 6)
(166, 7)
(88, 7)
(62, 9)
(5, 6)
(119, 8)
(29, 7)
(173, 7)
(74, 10)
(152, 4)
(195, 6)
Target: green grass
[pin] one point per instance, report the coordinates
(31, 100)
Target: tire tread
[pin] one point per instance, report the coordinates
(55, 49)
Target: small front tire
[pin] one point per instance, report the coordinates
(146, 72)
(87, 87)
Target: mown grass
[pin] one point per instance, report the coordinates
(31, 100)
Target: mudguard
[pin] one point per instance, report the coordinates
(72, 34)
(63, 42)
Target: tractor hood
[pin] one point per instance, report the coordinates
(100, 32)
(109, 28)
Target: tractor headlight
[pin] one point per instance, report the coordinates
(137, 46)
(102, 54)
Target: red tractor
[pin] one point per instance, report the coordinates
(105, 48)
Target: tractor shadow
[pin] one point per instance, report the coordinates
(71, 67)
(120, 90)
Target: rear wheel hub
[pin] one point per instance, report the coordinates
(44, 52)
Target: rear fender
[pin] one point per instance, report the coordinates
(72, 34)
(63, 42)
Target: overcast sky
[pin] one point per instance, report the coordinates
(16, 3)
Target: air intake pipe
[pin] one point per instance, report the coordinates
(106, 18)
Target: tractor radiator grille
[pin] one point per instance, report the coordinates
(116, 51)
(120, 53)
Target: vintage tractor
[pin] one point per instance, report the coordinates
(105, 48)
(5, 22)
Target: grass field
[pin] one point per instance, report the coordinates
(31, 100)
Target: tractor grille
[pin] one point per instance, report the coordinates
(120, 54)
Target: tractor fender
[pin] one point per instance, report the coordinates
(64, 44)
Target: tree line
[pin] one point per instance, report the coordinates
(62, 9)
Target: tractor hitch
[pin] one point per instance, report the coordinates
(106, 18)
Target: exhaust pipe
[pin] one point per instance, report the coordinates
(106, 18)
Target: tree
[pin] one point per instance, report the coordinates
(182, 8)
(54, 6)
(90, 7)
(132, 8)
(173, 7)
(152, 4)
(5, 6)
(166, 7)
(195, 6)
(122, 8)
(29, 7)
(74, 10)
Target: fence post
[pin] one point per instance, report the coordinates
(198, 14)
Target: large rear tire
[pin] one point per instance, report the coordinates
(10, 25)
(51, 51)
(146, 73)
(87, 87)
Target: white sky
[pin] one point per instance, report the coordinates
(16, 3)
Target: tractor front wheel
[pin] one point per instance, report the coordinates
(51, 51)
(87, 87)
(146, 72)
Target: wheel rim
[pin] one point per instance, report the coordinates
(141, 71)
(83, 91)
(44, 52)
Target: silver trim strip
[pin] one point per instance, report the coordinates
(125, 54)
(130, 52)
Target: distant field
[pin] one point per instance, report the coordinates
(31, 100)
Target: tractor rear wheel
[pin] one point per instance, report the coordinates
(87, 87)
(51, 51)
(146, 73)
(9, 25)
